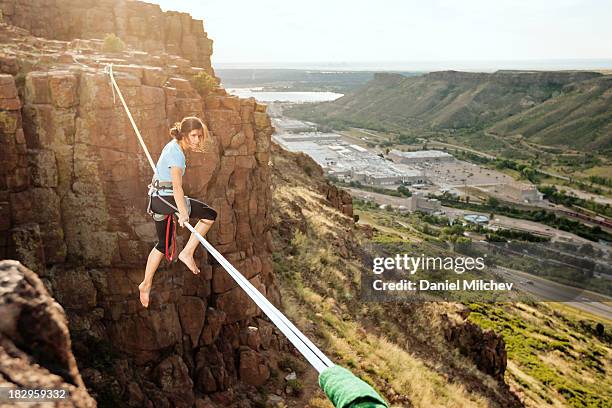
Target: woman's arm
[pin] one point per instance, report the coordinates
(178, 193)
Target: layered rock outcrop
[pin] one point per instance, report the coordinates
(142, 25)
(73, 183)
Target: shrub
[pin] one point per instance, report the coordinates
(112, 43)
(204, 83)
(291, 364)
(296, 387)
(404, 191)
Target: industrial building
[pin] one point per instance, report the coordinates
(349, 162)
(420, 203)
(420, 156)
(291, 125)
(310, 137)
(526, 193)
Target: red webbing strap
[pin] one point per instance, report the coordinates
(168, 222)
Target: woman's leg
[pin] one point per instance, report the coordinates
(206, 218)
(186, 255)
(156, 255)
(153, 262)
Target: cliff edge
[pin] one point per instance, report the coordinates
(73, 184)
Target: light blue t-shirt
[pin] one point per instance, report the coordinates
(171, 156)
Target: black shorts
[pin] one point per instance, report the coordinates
(198, 210)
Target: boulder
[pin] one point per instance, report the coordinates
(237, 304)
(192, 313)
(253, 369)
(214, 321)
(173, 378)
(35, 345)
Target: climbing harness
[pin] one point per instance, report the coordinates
(311, 352)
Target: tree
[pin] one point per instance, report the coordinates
(529, 173)
(493, 202)
(403, 190)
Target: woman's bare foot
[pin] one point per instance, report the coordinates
(190, 262)
(144, 294)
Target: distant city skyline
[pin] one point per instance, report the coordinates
(406, 35)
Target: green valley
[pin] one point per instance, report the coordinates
(559, 122)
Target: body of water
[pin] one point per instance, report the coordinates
(274, 96)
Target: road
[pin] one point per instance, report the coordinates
(543, 289)
(549, 291)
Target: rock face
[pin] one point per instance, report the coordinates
(142, 25)
(35, 347)
(484, 347)
(73, 184)
(340, 199)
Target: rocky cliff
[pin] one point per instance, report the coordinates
(73, 195)
(142, 25)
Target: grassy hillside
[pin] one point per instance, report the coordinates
(401, 348)
(556, 358)
(552, 108)
(579, 116)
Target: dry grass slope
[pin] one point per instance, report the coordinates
(398, 348)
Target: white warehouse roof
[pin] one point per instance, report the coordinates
(421, 154)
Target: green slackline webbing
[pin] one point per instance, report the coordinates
(345, 390)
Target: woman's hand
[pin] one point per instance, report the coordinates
(183, 218)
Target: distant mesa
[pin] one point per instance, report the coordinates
(555, 108)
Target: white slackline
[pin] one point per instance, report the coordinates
(311, 352)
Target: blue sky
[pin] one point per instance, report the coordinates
(468, 32)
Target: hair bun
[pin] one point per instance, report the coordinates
(175, 131)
